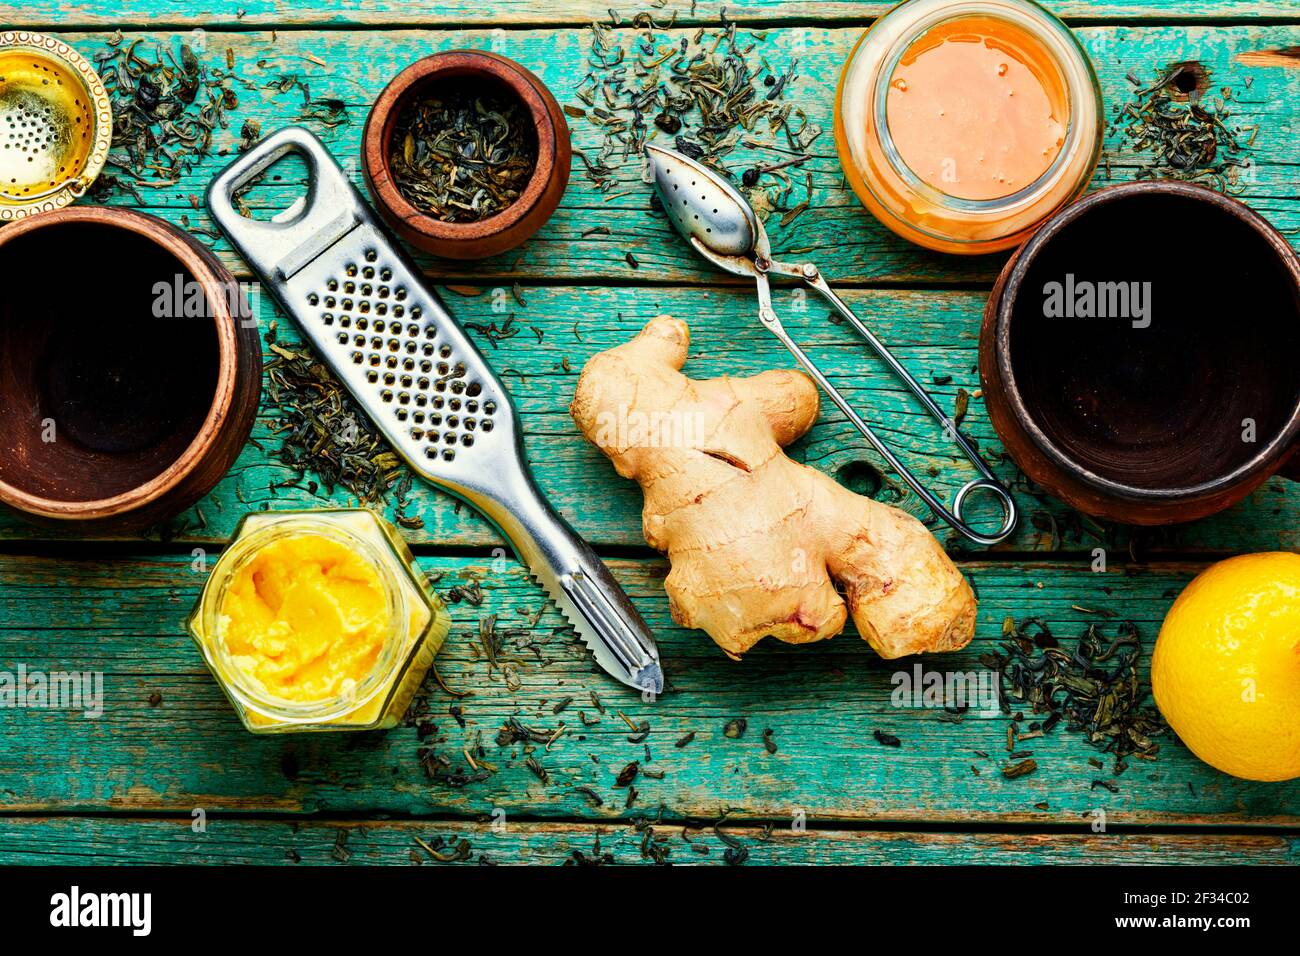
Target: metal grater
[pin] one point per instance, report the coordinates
(363, 304)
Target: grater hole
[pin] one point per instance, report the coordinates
(487, 426)
(448, 454)
(467, 440)
(474, 389)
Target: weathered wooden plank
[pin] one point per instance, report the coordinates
(935, 333)
(168, 741)
(846, 242)
(465, 13)
(86, 841)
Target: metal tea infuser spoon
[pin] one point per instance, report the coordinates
(719, 222)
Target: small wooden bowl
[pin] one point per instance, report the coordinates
(130, 369)
(505, 230)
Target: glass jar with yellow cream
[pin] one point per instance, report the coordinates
(962, 124)
(318, 621)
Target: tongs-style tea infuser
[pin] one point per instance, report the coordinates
(364, 306)
(718, 221)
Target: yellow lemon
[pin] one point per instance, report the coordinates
(1226, 668)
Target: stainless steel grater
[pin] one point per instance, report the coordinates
(363, 304)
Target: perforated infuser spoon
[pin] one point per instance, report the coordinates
(363, 305)
(721, 225)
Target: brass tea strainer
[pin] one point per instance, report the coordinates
(56, 123)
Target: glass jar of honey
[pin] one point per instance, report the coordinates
(962, 124)
(318, 620)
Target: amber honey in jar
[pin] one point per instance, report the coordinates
(318, 620)
(962, 125)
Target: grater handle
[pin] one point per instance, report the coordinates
(282, 246)
(579, 583)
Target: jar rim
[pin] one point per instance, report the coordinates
(253, 695)
(1026, 16)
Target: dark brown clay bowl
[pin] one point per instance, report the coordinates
(130, 369)
(1152, 413)
(505, 230)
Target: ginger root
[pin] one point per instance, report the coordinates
(754, 538)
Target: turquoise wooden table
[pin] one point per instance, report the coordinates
(168, 774)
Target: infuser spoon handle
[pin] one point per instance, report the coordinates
(987, 481)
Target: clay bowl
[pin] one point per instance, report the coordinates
(130, 369)
(1185, 395)
(505, 230)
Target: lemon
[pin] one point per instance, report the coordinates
(1226, 668)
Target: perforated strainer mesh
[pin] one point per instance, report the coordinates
(439, 399)
(55, 124)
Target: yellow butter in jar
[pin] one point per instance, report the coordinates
(318, 621)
